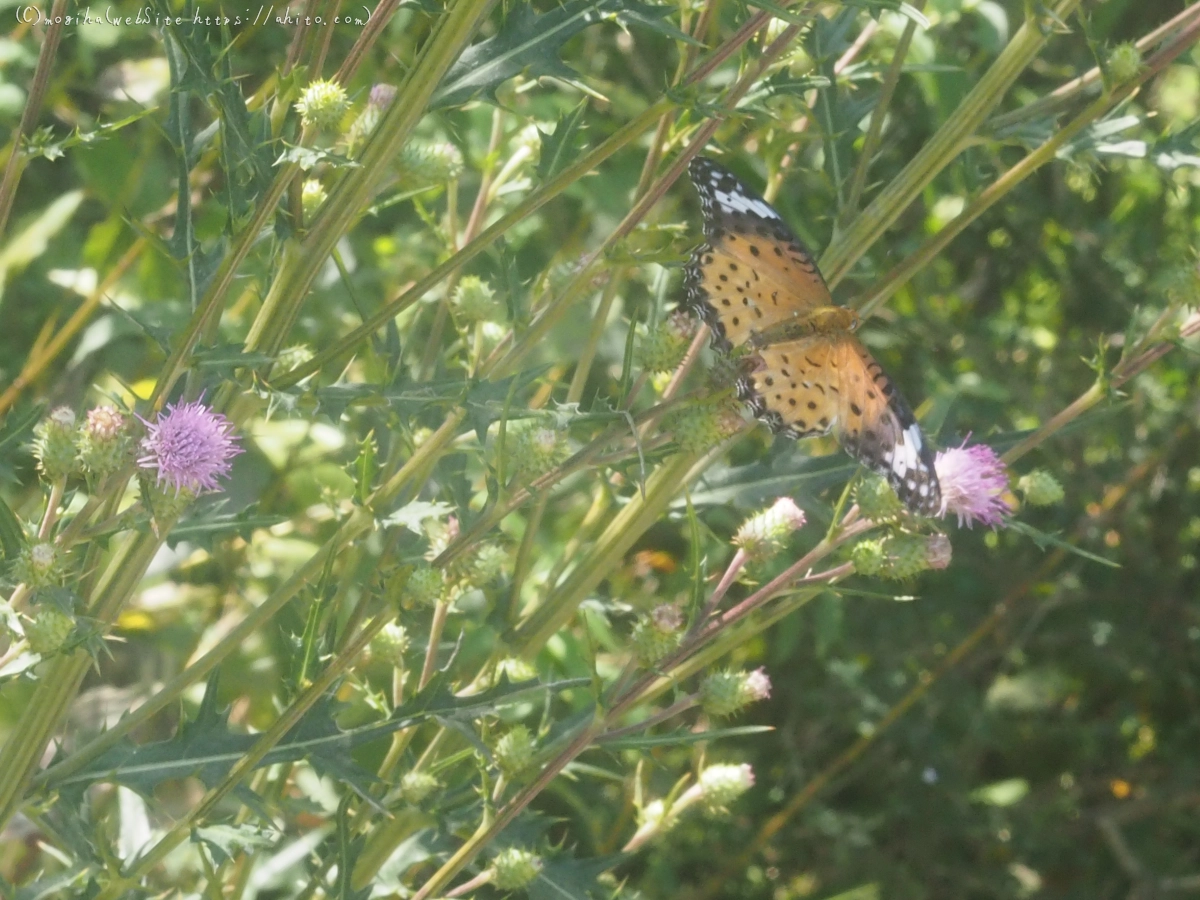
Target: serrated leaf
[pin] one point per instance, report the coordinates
(412, 515)
(562, 147)
(681, 737)
(225, 841)
(530, 42)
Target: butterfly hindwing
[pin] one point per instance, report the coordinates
(752, 272)
(831, 383)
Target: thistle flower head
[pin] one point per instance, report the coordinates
(416, 785)
(476, 301)
(973, 481)
(54, 444)
(390, 644)
(536, 449)
(49, 629)
(312, 195)
(514, 868)
(765, 534)
(190, 447)
(657, 634)
(39, 565)
(721, 784)
(724, 693)
(514, 752)
(424, 587)
(663, 348)
(1040, 488)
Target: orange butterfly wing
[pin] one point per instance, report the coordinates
(752, 272)
(751, 275)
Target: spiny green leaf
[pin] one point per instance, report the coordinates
(562, 147)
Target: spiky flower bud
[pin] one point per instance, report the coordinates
(898, 556)
(475, 301)
(1124, 62)
(55, 444)
(938, 551)
(312, 196)
(416, 785)
(909, 555)
(424, 587)
(322, 105)
(766, 533)
(423, 164)
(1040, 488)
(390, 644)
(49, 629)
(698, 427)
(721, 784)
(482, 567)
(868, 557)
(513, 868)
(724, 693)
(378, 101)
(514, 751)
(876, 499)
(534, 450)
(39, 565)
(656, 635)
(663, 348)
(104, 442)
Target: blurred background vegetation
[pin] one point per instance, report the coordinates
(1022, 724)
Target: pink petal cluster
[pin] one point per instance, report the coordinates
(758, 684)
(973, 481)
(190, 447)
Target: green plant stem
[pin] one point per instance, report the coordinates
(892, 282)
(945, 145)
(17, 160)
(875, 130)
(119, 886)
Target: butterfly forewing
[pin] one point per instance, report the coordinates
(752, 272)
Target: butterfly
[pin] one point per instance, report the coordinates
(757, 286)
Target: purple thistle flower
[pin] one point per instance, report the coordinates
(973, 480)
(190, 446)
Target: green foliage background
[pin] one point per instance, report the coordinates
(1021, 724)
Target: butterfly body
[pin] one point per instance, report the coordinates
(806, 373)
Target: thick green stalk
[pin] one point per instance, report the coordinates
(849, 245)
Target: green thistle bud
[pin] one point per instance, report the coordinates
(49, 629)
(514, 751)
(39, 565)
(656, 635)
(390, 644)
(698, 427)
(1040, 488)
(312, 195)
(379, 100)
(424, 164)
(416, 785)
(1124, 63)
(663, 349)
(534, 450)
(54, 444)
(876, 499)
(724, 693)
(484, 566)
(765, 534)
(425, 587)
(475, 301)
(938, 551)
(104, 442)
(720, 785)
(513, 868)
(322, 105)
(908, 556)
(868, 557)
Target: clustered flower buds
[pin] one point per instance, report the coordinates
(54, 444)
(1040, 488)
(876, 499)
(973, 481)
(416, 785)
(514, 751)
(475, 301)
(322, 105)
(765, 534)
(900, 556)
(535, 449)
(657, 634)
(664, 347)
(514, 868)
(724, 693)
